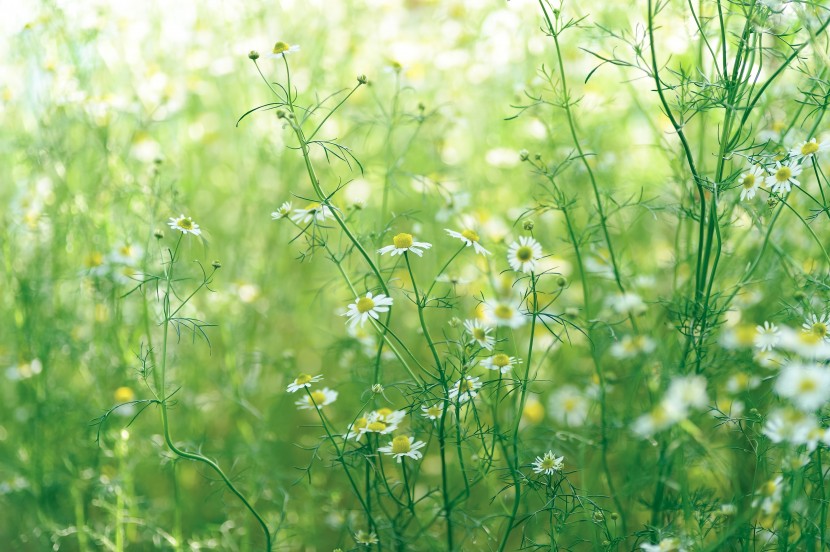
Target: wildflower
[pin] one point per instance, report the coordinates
(807, 385)
(499, 362)
(741, 382)
(806, 149)
(626, 303)
(767, 336)
(403, 445)
(382, 421)
(281, 49)
(805, 344)
(549, 463)
(282, 211)
(432, 412)
(363, 538)
(533, 412)
(480, 333)
(303, 380)
(369, 306)
(403, 242)
(504, 314)
(750, 181)
(818, 325)
(126, 254)
(465, 389)
(317, 399)
(470, 238)
(315, 212)
(631, 346)
(665, 545)
(524, 254)
(783, 176)
(686, 392)
(568, 406)
(770, 496)
(185, 225)
(790, 425)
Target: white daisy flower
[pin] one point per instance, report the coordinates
(818, 325)
(281, 49)
(465, 389)
(750, 181)
(403, 445)
(740, 382)
(432, 412)
(806, 385)
(790, 426)
(126, 254)
(499, 362)
(382, 421)
(783, 176)
(806, 344)
(665, 545)
(504, 314)
(524, 254)
(185, 225)
(303, 380)
(767, 337)
(362, 538)
(282, 211)
(630, 346)
(365, 307)
(568, 406)
(549, 463)
(480, 333)
(317, 399)
(626, 303)
(312, 212)
(687, 392)
(403, 242)
(806, 149)
(470, 238)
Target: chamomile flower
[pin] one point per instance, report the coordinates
(499, 362)
(281, 49)
(568, 406)
(549, 463)
(185, 225)
(665, 545)
(806, 149)
(470, 239)
(630, 346)
(382, 421)
(362, 538)
(303, 380)
(403, 445)
(818, 325)
(126, 254)
(315, 212)
(282, 211)
(806, 385)
(790, 426)
(524, 254)
(504, 313)
(367, 307)
(317, 399)
(465, 389)
(750, 181)
(480, 333)
(783, 176)
(403, 242)
(432, 412)
(767, 336)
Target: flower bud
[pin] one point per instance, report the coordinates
(253, 55)
(362, 79)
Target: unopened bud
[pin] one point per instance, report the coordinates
(528, 225)
(158, 234)
(253, 55)
(524, 155)
(216, 265)
(362, 79)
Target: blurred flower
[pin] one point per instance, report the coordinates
(432, 412)
(282, 211)
(281, 49)
(311, 212)
(317, 399)
(365, 307)
(818, 325)
(403, 242)
(665, 545)
(303, 380)
(630, 346)
(480, 333)
(470, 238)
(808, 345)
(740, 382)
(504, 314)
(465, 389)
(787, 425)
(750, 181)
(185, 225)
(806, 149)
(524, 254)
(783, 176)
(683, 394)
(767, 337)
(568, 405)
(499, 362)
(626, 303)
(807, 385)
(403, 445)
(549, 463)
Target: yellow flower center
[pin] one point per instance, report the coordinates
(479, 334)
(281, 47)
(769, 488)
(318, 396)
(547, 463)
(126, 250)
(503, 312)
(742, 381)
(376, 426)
(745, 334)
(470, 235)
(809, 148)
(749, 181)
(810, 338)
(312, 207)
(807, 386)
(94, 259)
(402, 240)
(401, 445)
(185, 223)
(302, 379)
(124, 394)
(820, 329)
(465, 386)
(360, 423)
(365, 304)
(501, 360)
(524, 253)
(384, 412)
(434, 411)
(569, 404)
(783, 174)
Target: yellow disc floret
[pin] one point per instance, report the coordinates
(403, 240)
(365, 304)
(524, 253)
(401, 445)
(809, 148)
(470, 235)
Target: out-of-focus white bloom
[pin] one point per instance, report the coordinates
(684, 393)
(809, 345)
(317, 399)
(630, 346)
(315, 212)
(280, 50)
(769, 496)
(504, 313)
(665, 545)
(787, 425)
(767, 337)
(470, 239)
(740, 382)
(626, 303)
(738, 336)
(282, 211)
(806, 385)
(303, 380)
(568, 405)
